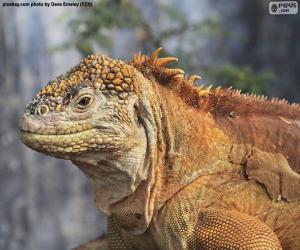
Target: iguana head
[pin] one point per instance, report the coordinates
(88, 109)
(90, 116)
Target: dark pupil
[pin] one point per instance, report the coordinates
(84, 101)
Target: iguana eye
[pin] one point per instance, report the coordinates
(84, 102)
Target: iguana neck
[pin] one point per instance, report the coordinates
(192, 144)
(183, 144)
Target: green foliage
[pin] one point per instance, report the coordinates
(93, 25)
(241, 78)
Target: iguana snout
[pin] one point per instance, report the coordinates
(58, 140)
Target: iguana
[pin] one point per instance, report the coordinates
(174, 166)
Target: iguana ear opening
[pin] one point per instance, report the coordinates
(137, 116)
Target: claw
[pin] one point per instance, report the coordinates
(209, 87)
(153, 58)
(162, 62)
(137, 57)
(193, 78)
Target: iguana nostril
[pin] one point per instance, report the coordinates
(42, 109)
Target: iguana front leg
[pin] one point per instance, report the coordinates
(221, 229)
(188, 227)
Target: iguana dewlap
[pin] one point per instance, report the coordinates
(174, 166)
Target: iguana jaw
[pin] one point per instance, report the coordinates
(64, 139)
(60, 146)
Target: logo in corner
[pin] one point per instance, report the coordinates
(283, 8)
(274, 8)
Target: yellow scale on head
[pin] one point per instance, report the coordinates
(97, 71)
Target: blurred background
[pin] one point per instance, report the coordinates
(47, 203)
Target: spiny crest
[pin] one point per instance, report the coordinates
(254, 97)
(182, 84)
(159, 66)
(175, 78)
(275, 100)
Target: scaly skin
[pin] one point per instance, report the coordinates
(172, 165)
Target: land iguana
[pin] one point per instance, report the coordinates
(174, 166)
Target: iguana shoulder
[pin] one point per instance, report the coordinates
(264, 133)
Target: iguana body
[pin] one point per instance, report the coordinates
(173, 166)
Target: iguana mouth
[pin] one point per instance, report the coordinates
(53, 132)
(64, 143)
(49, 135)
